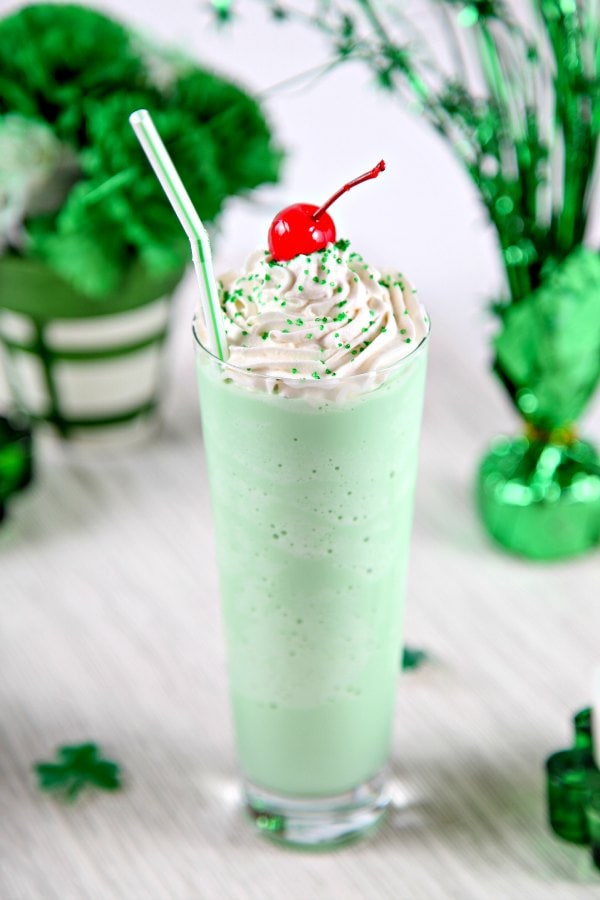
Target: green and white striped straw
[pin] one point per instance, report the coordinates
(165, 171)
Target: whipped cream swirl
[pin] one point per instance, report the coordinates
(303, 326)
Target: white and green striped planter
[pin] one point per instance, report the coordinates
(91, 369)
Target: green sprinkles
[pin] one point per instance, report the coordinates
(316, 376)
(265, 335)
(299, 322)
(294, 371)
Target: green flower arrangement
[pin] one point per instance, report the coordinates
(90, 250)
(76, 192)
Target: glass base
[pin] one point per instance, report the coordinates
(541, 500)
(318, 822)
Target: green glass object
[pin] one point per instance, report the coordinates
(541, 498)
(583, 727)
(571, 778)
(592, 811)
(16, 469)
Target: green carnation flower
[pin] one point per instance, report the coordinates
(75, 76)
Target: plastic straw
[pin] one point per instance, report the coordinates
(171, 183)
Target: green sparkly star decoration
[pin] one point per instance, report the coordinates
(78, 766)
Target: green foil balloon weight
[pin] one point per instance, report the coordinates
(541, 499)
(539, 494)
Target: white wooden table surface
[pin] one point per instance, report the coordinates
(111, 632)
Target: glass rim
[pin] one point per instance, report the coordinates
(386, 370)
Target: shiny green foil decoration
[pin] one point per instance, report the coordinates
(548, 348)
(516, 94)
(539, 495)
(541, 498)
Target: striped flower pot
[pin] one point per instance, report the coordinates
(92, 369)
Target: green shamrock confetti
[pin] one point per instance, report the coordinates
(412, 658)
(78, 766)
(222, 9)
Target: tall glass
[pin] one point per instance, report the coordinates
(312, 500)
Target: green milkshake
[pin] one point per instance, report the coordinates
(311, 431)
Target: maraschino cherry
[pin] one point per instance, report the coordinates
(304, 228)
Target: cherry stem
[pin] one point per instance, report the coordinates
(372, 173)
